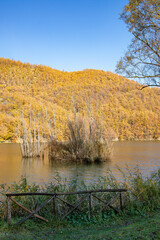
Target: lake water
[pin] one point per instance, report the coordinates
(145, 155)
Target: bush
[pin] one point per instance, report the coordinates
(85, 143)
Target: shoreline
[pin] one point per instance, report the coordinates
(114, 140)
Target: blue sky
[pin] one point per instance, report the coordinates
(68, 35)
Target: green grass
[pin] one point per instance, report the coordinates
(127, 228)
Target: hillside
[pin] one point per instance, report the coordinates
(126, 111)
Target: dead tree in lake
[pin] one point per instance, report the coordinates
(29, 137)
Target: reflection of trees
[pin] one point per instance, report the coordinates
(30, 163)
(79, 171)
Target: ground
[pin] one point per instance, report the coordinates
(126, 228)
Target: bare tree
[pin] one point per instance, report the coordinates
(142, 60)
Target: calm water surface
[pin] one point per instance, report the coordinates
(145, 155)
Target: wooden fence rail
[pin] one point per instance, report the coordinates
(57, 196)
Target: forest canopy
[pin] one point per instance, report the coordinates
(124, 110)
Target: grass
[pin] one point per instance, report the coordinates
(139, 220)
(121, 227)
(127, 228)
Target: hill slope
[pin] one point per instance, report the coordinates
(126, 111)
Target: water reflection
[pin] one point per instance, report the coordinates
(146, 155)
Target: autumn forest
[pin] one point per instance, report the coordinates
(126, 111)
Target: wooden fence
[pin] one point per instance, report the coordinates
(57, 196)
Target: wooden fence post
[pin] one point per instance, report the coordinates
(121, 201)
(55, 206)
(90, 205)
(9, 210)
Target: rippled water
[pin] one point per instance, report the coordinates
(145, 155)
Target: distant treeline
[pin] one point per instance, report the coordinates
(125, 111)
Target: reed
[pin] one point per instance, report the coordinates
(85, 141)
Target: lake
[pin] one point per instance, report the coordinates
(145, 155)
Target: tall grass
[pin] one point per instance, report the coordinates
(83, 140)
(143, 194)
(85, 143)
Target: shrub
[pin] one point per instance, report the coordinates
(85, 143)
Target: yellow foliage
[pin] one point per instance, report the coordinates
(125, 110)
